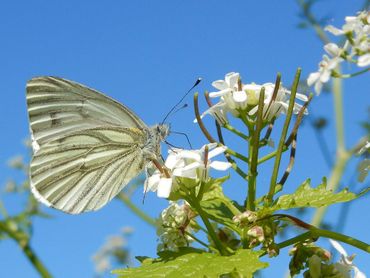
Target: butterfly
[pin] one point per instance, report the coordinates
(86, 146)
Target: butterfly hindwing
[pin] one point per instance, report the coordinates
(82, 171)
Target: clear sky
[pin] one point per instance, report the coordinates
(146, 54)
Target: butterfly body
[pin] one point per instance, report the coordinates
(87, 146)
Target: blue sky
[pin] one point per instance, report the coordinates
(146, 54)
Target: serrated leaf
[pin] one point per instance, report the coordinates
(306, 196)
(245, 261)
(217, 206)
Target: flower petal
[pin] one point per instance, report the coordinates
(217, 151)
(240, 96)
(338, 247)
(164, 188)
(220, 165)
(219, 84)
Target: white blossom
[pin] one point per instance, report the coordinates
(326, 67)
(272, 108)
(218, 111)
(193, 164)
(345, 265)
(172, 226)
(235, 97)
(357, 31)
(230, 94)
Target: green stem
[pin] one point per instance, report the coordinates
(284, 132)
(316, 232)
(237, 155)
(126, 200)
(271, 155)
(291, 241)
(253, 154)
(342, 156)
(339, 116)
(23, 242)
(342, 76)
(235, 131)
(333, 182)
(211, 232)
(197, 239)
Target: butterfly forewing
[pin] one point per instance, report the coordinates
(87, 147)
(57, 106)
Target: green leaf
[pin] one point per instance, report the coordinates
(306, 196)
(217, 206)
(190, 264)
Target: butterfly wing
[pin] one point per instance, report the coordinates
(58, 106)
(87, 147)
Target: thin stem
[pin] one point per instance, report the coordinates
(197, 239)
(291, 162)
(284, 132)
(126, 200)
(237, 155)
(236, 131)
(211, 232)
(238, 170)
(316, 232)
(23, 242)
(333, 182)
(339, 116)
(336, 175)
(340, 237)
(291, 241)
(271, 155)
(298, 121)
(199, 120)
(342, 76)
(269, 130)
(253, 153)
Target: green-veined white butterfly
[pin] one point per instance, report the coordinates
(86, 146)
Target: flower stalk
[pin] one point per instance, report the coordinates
(253, 154)
(284, 132)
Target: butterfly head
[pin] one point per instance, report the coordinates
(163, 130)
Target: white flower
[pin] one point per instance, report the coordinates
(357, 24)
(357, 31)
(235, 96)
(345, 265)
(172, 226)
(364, 60)
(326, 67)
(231, 95)
(271, 108)
(193, 164)
(218, 111)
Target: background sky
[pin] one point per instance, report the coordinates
(146, 54)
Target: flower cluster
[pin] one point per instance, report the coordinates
(193, 164)
(236, 97)
(173, 226)
(356, 49)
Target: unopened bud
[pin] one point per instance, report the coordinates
(245, 217)
(256, 232)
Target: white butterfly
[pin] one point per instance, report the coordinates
(86, 146)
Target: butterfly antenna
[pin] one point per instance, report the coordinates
(175, 106)
(186, 136)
